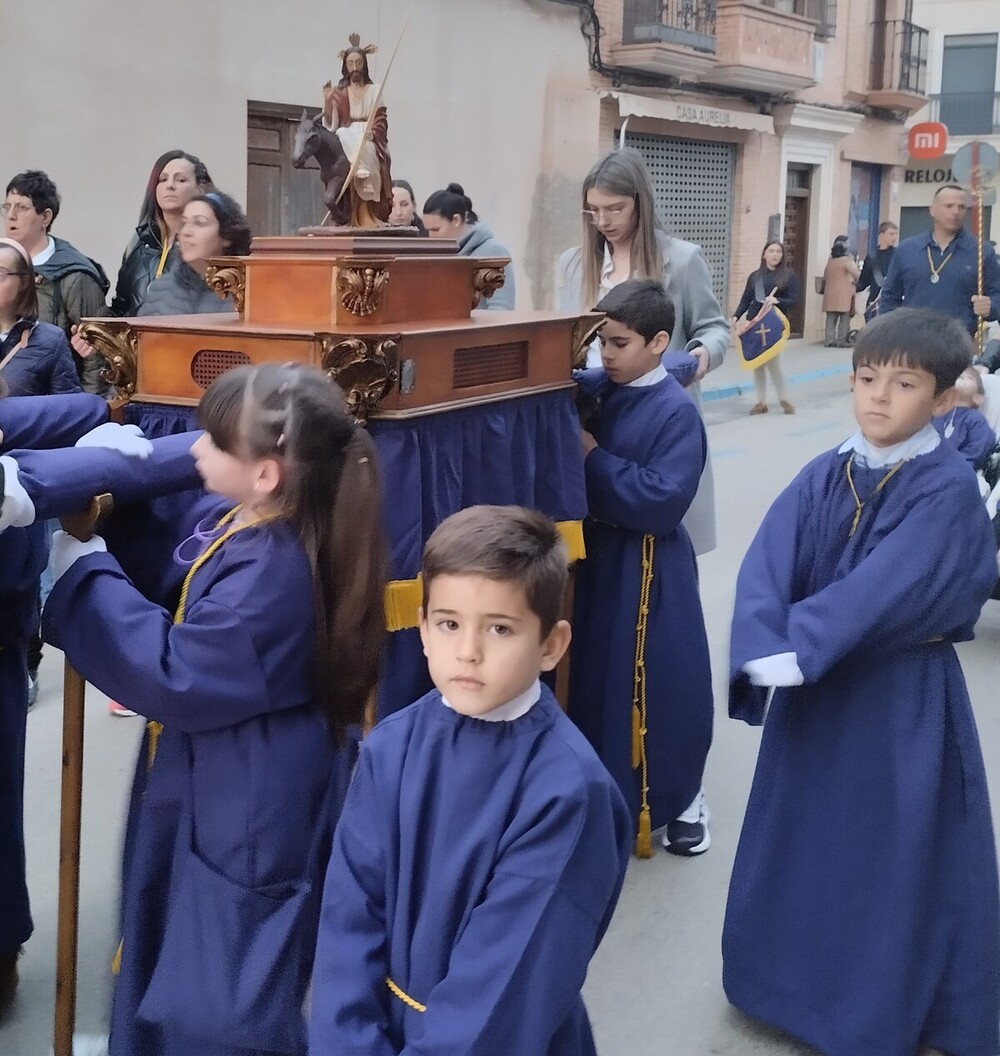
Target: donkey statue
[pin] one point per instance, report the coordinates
(312, 140)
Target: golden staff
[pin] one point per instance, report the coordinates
(370, 123)
(977, 190)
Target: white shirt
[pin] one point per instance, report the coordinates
(922, 443)
(513, 709)
(657, 374)
(45, 254)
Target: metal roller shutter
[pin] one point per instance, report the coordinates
(693, 184)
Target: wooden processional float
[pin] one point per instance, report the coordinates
(391, 319)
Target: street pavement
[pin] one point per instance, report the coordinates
(654, 987)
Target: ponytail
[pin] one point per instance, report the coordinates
(330, 491)
(452, 201)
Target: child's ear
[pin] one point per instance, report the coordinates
(659, 343)
(555, 645)
(422, 624)
(268, 477)
(945, 402)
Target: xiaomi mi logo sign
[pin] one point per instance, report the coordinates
(927, 140)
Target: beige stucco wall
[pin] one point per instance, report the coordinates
(492, 93)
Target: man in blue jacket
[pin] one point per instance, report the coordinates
(940, 269)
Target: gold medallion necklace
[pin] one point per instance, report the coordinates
(936, 272)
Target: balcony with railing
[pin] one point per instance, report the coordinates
(967, 113)
(763, 47)
(674, 37)
(898, 66)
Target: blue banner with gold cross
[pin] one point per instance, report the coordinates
(764, 338)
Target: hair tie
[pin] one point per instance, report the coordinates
(213, 197)
(16, 245)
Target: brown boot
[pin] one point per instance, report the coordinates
(8, 980)
(759, 408)
(787, 407)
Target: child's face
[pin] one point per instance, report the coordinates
(967, 391)
(892, 402)
(248, 482)
(483, 644)
(627, 355)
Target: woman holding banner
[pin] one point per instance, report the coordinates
(771, 290)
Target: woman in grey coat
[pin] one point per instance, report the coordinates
(449, 214)
(212, 225)
(623, 238)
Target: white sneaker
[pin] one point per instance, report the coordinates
(688, 835)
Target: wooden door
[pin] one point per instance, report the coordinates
(280, 198)
(797, 240)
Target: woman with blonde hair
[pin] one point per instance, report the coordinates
(623, 238)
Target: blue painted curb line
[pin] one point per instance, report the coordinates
(795, 379)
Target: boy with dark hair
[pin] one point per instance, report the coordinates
(482, 846)
(73, 286)
(965, 427)
(864, 912)
(640, 681)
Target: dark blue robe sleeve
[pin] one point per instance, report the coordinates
(925, 579)
(49, 421)
(516, 972)
(892, 290)
(202, 674)
(764, 590)
(650, 498)
(978, 440)
(349, 998)
(64, 481)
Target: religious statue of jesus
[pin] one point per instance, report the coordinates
(347, 109)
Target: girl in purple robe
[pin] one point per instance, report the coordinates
(264, 654)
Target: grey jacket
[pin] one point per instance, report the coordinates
(699, 321)
(479, 242)
(182, 292)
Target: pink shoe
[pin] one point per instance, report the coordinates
(119, 710)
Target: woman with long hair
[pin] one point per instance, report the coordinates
(772, 285)
(449, 214)
(623, 238)
(253, 652)
(176, 178)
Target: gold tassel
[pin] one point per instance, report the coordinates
(644, 841)
(636, 738)
(116, 961)
(155, 729)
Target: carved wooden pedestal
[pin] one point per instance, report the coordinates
(392, 320)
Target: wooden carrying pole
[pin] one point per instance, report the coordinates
(80, 526)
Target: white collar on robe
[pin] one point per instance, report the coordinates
(922, 443)
(513, 709)
(657, 374)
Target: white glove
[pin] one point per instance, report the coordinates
(782, 669)
(66, 549)
(126, 439)
(16, 508)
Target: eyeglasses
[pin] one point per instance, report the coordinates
(594, 216)
(15, 209)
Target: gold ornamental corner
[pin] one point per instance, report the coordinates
(486, 280)
(365, 368)
(361, 287)
(118, 343)
(226, 279)
(584, 331)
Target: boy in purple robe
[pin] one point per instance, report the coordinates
(863, 913)
(643, 697)
(482, 846)
(965, 426)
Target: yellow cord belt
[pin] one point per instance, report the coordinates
(403, 996)
(644, 837)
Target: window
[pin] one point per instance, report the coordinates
(968, 84)
(823, 12)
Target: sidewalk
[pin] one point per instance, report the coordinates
(801, 361)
